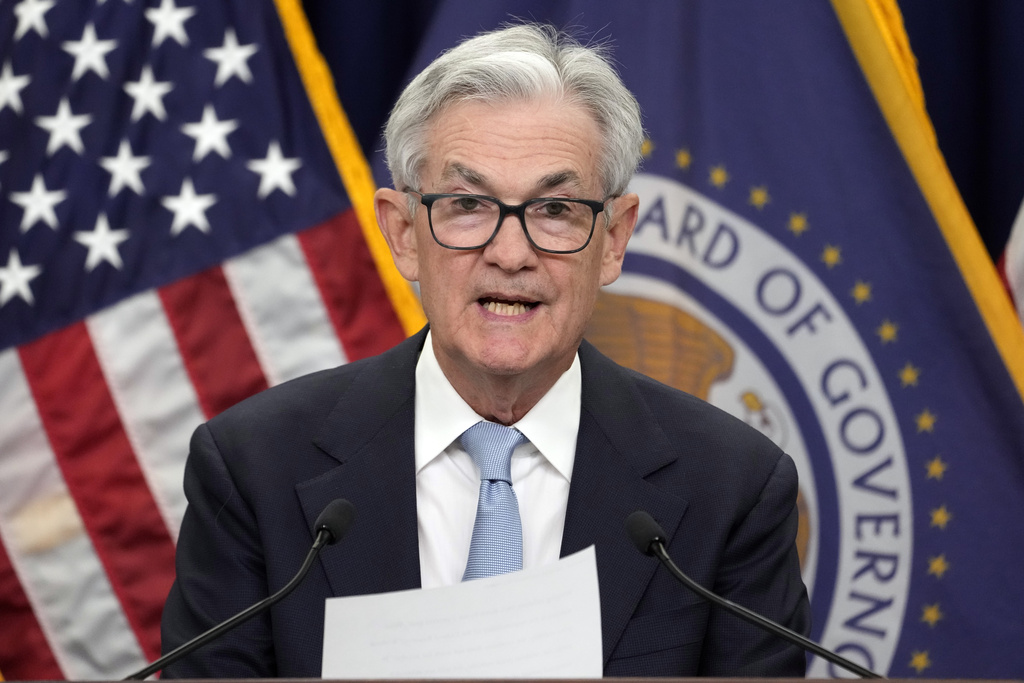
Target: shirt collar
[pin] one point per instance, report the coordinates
(442, 415)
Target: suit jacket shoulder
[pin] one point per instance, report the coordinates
(257, 477)
(632, 409)
(726, 497)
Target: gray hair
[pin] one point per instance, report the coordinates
(521, 62)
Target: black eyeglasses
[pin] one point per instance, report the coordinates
(470, 221)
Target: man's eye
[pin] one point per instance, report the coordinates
(554, 209)
(467, 203)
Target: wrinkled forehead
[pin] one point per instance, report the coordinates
(555, 141)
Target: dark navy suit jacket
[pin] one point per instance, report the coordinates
(259, 474)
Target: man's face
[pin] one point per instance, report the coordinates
(515, 152)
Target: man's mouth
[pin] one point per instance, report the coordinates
(506, 307)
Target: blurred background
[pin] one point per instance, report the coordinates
(970, 59)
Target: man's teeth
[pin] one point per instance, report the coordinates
(499, 308)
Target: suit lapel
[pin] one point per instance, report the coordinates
(370, 433)
(619, 444)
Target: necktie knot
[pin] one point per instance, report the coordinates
(491, 446)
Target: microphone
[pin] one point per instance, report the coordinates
(329, 528)
(649, 538)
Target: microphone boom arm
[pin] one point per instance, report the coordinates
(329, 527)
(657, 548)
(322, 538)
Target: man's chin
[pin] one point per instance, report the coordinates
(506, 353)
(525, 360)
(504, 364)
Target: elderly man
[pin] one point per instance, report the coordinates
(510, 156)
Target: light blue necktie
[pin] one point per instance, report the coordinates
(497, 545)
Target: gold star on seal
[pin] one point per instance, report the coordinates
(941, 517)
(646, 148)
(938, 566)
(931, 614)
(919, 661)
(861, 292)
(926, 421)
(759, 197)
(936, 468)
(887, 331)
(684, 159)
(831, 256)
(798, 224)
(719, 177)
(909, 375)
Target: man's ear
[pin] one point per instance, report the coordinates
(624, 215)
(399, 229)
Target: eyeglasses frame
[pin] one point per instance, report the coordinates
(519, 210)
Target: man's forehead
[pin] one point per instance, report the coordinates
(545, 142)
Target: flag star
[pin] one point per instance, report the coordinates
(798, 224)
(941, 517)
(232, 59)
(189, 208)
(14, 279)
(936, 468)
(759, 197)
(925, 421)
(38, 204)
(102, 244)
(124, 170)
(831, 256)
(861, 292)
(148, 94)
(32, 17)
(90, 53)
(275, 171)
(909, 375)
(718, 176)
(4, 155)
(887, 331)
(11, 87)
(684, 159)
(169, 22)
(931, 615)
(65, 128)
(919, 661)
(938, 566)
(210, 134)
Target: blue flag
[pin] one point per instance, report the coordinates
(803, 261)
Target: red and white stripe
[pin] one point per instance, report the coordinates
(94, 427)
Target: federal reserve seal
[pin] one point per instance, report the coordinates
(712, 304)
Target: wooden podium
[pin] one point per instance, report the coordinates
(581, 680)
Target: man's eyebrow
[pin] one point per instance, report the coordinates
(560, 178)
(458, 171)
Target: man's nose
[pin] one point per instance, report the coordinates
(511, 249)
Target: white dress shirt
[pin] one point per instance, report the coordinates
(448, 481)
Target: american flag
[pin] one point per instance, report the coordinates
(174, 236)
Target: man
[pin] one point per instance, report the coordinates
(510, 157)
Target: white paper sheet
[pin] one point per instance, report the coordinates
(537, 623)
